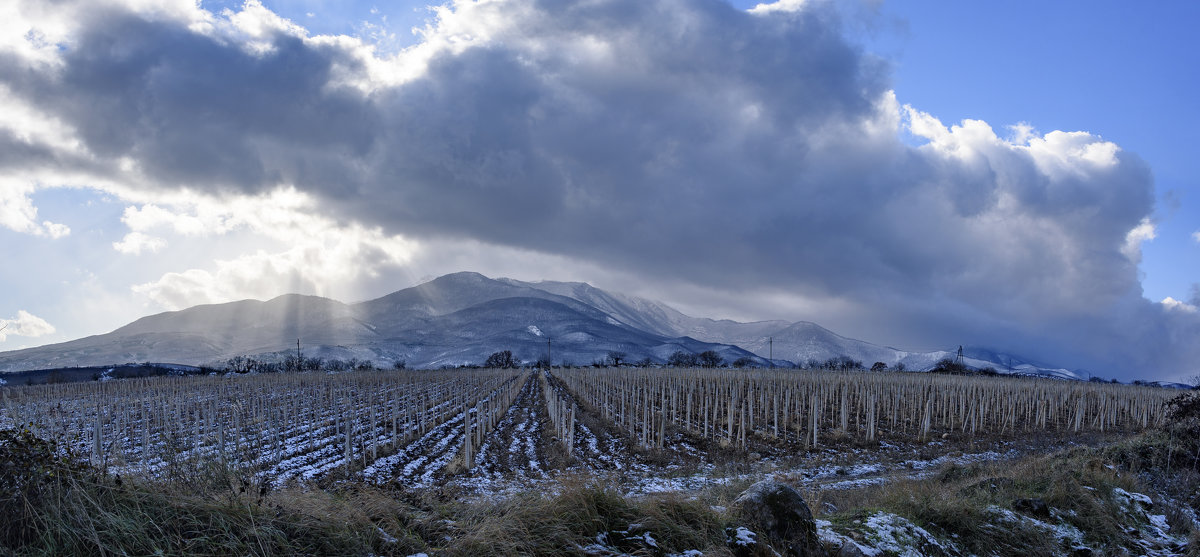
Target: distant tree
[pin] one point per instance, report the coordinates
(292, 363)
(812, 363)
(616, 358)
(542, 363)
(878, 366)
(645, 362)
(947, 365)
(841, 363)
(682, 359)
(989, 370)
(247, 364)
(365, 365)
(334, 364)
(312, 364)
(900, 366)
(399, 364)
(710, 358)
(744, 362)
(236, 364)
(501, 359)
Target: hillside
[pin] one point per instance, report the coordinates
(461, 318)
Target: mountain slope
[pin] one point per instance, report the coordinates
(657, 317)
(453, 320)
(461, 318)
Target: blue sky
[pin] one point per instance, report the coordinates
(851, 164)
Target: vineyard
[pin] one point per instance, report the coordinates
(479, 427)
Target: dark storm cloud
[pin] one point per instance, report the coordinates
(685, 141)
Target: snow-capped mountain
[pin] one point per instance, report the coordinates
(461, 318)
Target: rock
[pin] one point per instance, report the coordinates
(779, 514)
(1036, 507)
(850, 550)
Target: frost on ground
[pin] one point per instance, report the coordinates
(888, 534)
(511, 455)
(1154, 534)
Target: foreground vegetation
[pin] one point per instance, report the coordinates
(1080, 501)
(1059, 504)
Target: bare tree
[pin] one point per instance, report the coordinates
(501, 359)
(682, 359)
(616, 358)
(710, 358)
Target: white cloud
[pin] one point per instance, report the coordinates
(312, 267)
(322, 256)
(33, 128)
(1171, 304)
(18, 213)
(25, 324)
(778, 6)
(1143, 232)
(136, 243)
(1196, 236)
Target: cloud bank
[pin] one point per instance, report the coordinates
(679, 141)
(24, 324)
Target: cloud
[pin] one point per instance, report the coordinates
(1175, 305)
(134, 243)
(1196, 236)
(685, 142)
(1142, 233)
(25, 324)
(17, 213)
(323, 256)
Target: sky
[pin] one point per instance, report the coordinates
(1018, 176)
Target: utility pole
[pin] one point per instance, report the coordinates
(771, 351)
(959, 359)
(299, 356)
(548, 365)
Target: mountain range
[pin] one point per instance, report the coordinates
(461, 318)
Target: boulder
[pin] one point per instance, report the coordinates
(779, 514)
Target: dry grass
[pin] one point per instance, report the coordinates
(582, 511)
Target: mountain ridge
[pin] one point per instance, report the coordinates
(460, 318)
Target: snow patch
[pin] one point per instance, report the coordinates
(744, 537)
